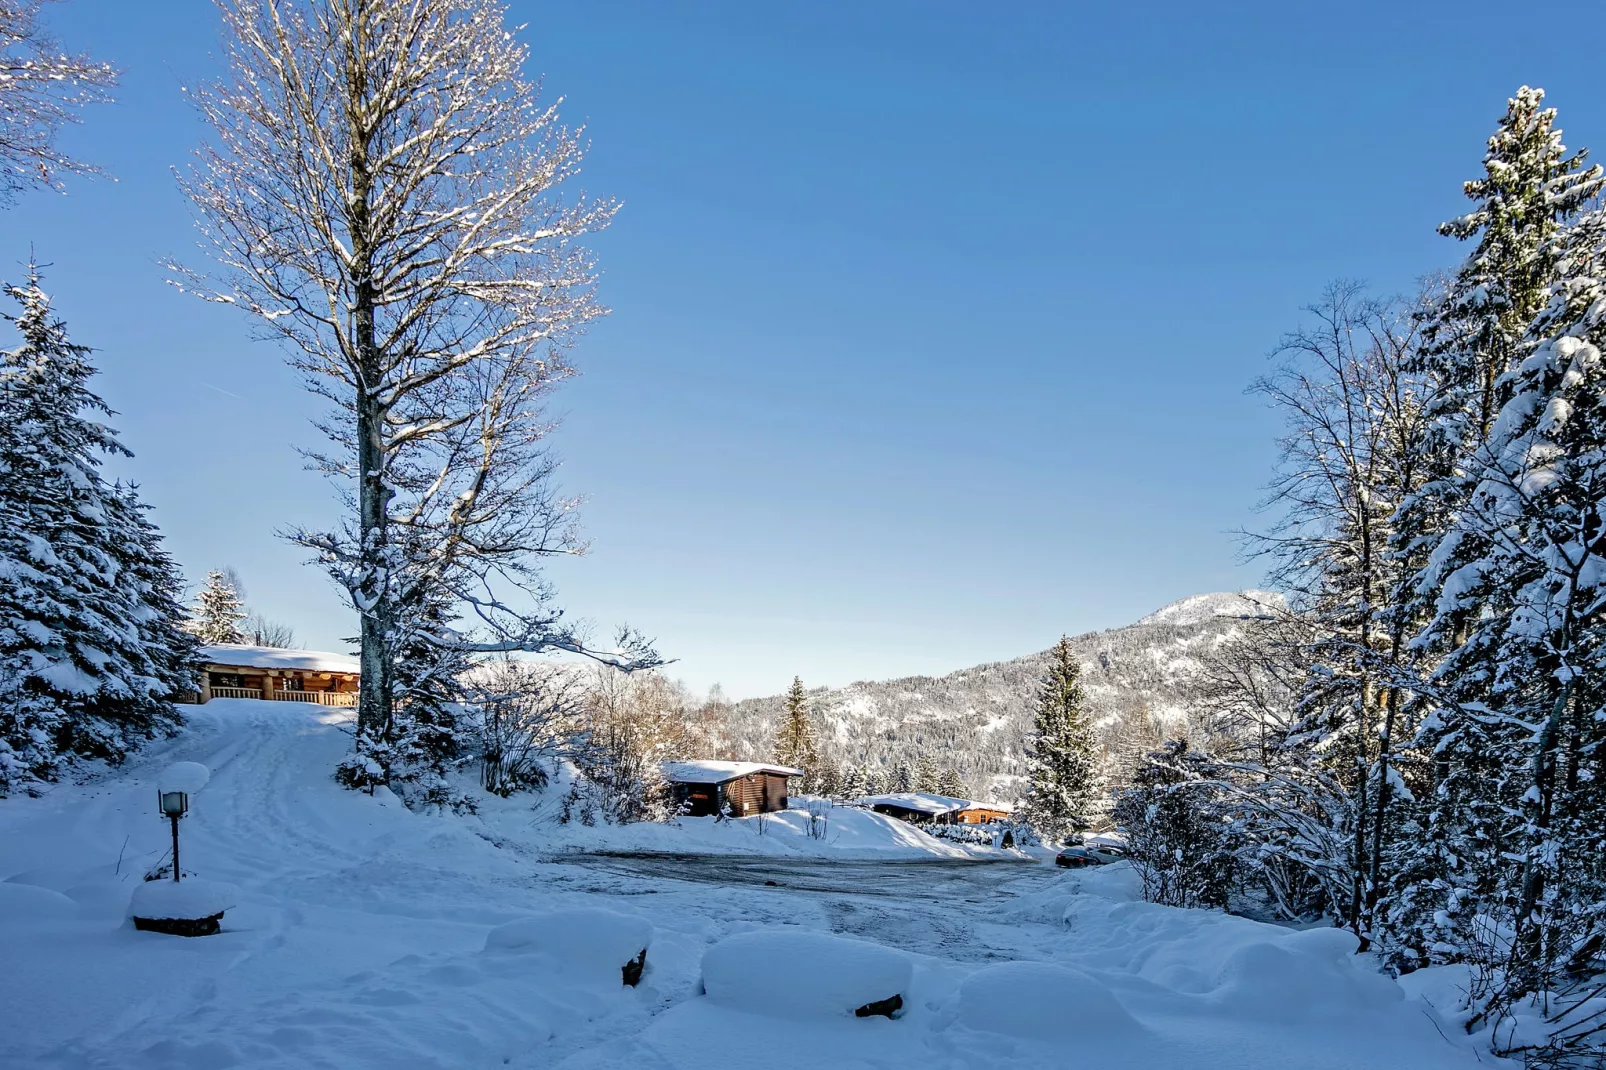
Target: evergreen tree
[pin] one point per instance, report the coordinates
(1063, 758)
(903, 777)
(218, 611)
(951, 785)
(91, 650)
(853, 782)
(1477, 363)
(794, 743)
(1522, 746)
(926, 776)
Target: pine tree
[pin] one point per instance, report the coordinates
(91, 652)
(1063, 759)
(951, 785)
(218, 611)
(1522, 746)
(1477, 362)
(794, 743)
(903, 777)
(926, 776)
(853, 782)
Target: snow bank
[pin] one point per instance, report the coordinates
(594, 944)
(1041, 1001)
(796, 974)
(188, 777)
(191, 899)
(25, 904)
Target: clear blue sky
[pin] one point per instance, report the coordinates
(932, 321)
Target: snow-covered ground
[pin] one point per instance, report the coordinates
(369, 936)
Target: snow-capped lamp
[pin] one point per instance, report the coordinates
(173, 796)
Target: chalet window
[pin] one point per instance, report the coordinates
(227, 679)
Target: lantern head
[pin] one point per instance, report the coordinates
(174, 803)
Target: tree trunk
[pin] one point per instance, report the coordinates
(375, 602)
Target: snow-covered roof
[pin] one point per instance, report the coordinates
(926, 803)
(700, 772)
(267, 657)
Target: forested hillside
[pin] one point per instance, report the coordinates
(1139, 678)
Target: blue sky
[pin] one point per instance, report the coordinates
(932, 320)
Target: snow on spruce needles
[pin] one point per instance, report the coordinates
(368, 935)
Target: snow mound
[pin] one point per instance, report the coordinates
(188, 777)
(594, 944)
(1042, 1001)
(25, 904)
(190, 900)
(1311, 972)
(825, 976)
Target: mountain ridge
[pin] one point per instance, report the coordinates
(1139, 678)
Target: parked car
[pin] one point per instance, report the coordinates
(1085, 855)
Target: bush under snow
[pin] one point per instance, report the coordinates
(824, 975)
(594, 944)
(1043, 1001)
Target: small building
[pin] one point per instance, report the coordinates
(921, 807)
(233, 670)
(741, 789)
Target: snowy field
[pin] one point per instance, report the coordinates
(368, 936)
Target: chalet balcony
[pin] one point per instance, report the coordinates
(232, 670)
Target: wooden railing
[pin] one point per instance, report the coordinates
(322, 698)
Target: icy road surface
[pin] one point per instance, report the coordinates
(360, 940)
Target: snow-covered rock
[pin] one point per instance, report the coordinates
(188, 777)
(189, 900)
(1041, 1000)
(824, 976)
(594, 944)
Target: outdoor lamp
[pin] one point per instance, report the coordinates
(175, 804)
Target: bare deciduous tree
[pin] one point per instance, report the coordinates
(42, 89)
(383, 193)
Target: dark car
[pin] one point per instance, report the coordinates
(1076, 857)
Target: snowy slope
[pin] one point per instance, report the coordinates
(370, 936)
(977, 719)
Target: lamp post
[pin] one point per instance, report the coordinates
(174, 805)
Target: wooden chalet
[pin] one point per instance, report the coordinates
(232, 670)
(740, 789)
(920, 807)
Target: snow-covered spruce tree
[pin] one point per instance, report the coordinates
(1520, 732)
(1477, 336)
(91, 650)
(902, 778)
(853, 784)
(218, 611)
(926, 774)
(794, 740)
(950, 784)
(383, 191)
(1063, 774)
(41, 92)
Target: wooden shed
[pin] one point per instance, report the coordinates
(234, 670)
(740, 789)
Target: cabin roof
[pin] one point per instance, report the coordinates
(926, 803)
(266, 657)
(709, 772)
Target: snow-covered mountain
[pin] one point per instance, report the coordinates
(976, 720)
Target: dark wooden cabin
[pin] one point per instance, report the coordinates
(740, 789)
(922, 807)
